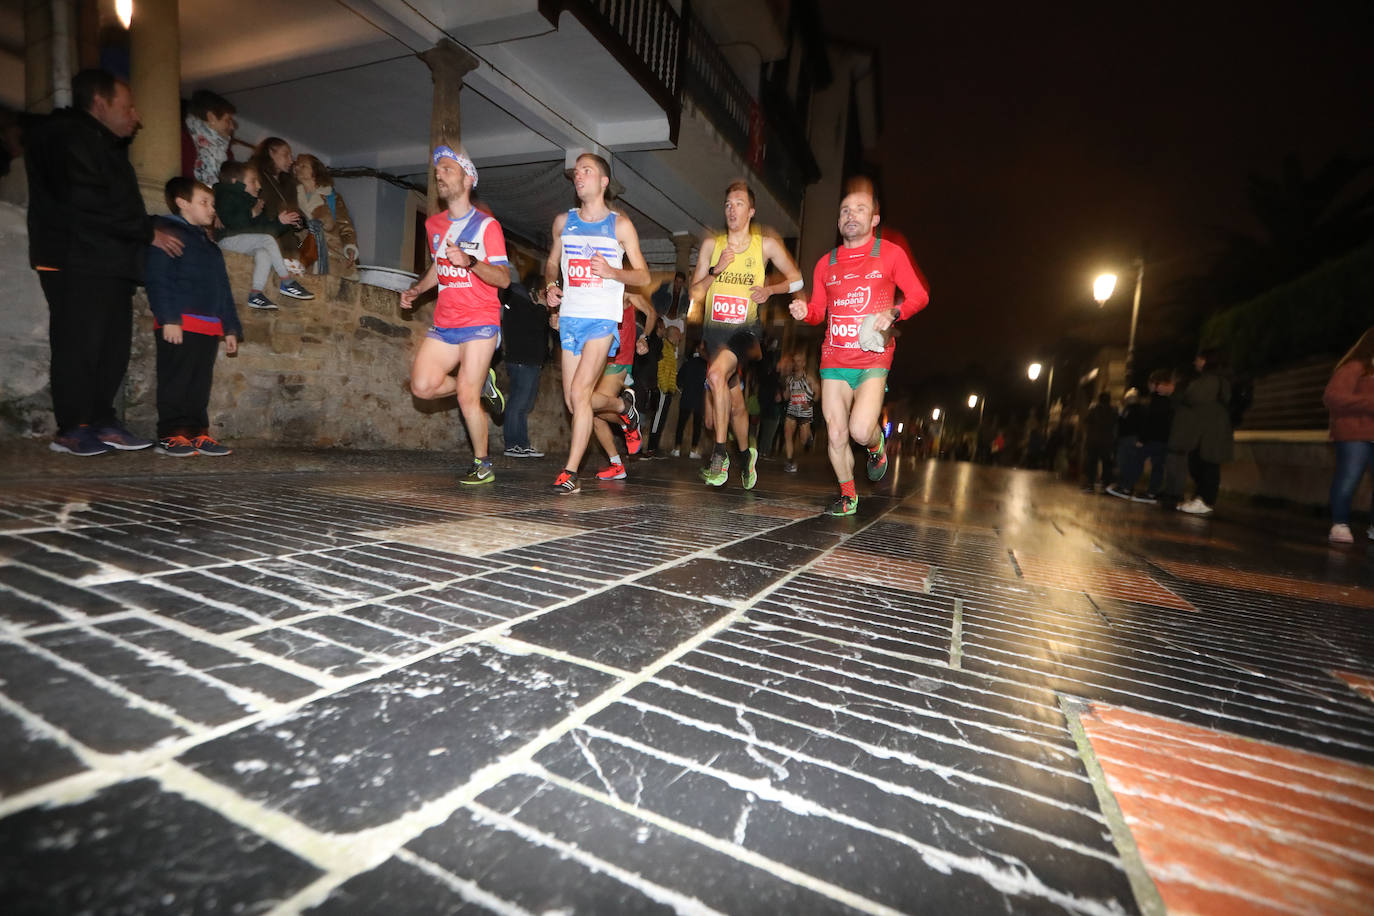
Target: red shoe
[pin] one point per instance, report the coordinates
(633, 442)
(614, 471)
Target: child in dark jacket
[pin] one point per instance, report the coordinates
(192, 308)
(248, 230)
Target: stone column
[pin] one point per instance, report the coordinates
(684, 242)
(448, 63)
(155, 79)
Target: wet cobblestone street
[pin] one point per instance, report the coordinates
(353, 690)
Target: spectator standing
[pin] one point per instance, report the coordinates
(1200, 437)
(88, 236)
(327, 217)
(1349, 397)
(667, 386)
(1099, 440)
(193, 308)
(644, 371)
(1130, 427)
(691, 382)
(248, 230)
(208, 131)
(1154, 435)
(273, 160)
(525, 340)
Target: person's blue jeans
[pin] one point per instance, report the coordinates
(1352, 459)
(1129, 460)
(1132, 461)
(524, 388)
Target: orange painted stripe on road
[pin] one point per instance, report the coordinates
(1124, 584)
(1362, 684)
(1349, 595)
(1226, 824)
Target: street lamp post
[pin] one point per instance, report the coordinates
(1103, 287)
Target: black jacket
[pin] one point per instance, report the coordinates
(1159, 415)
(194, 284)
(524, 327)
(691, 381)
(86, 214)
(234, 207)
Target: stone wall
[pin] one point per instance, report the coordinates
(1287, 468)
(330, 371)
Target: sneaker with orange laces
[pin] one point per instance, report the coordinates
(613, 471)
(566, 482)
(175, 447)
(204, 445)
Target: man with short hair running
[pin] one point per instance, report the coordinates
(853, 291)
(469, 265)
(591, 243)
(729, 284)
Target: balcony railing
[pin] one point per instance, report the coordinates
(644, 35)
(772, 144)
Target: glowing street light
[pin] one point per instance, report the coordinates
(1033, 371)
(124, 9)
(972, 401)
(935, 414)
(900, 427)
(1103, 287)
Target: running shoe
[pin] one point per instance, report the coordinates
(492, 395)
(566, 482)
(532, 452)
(750, 475)
(790, 467)
(204, 445)
(718, 472)
(845, 505)
(480, 473)
(517, 451)
(81, 442)
(1147, 498)
(116, 436)
(261, 303)
(629, 422)
(877, 462)
(613, 471)
(676, 453)
(694, 455)
(294, 289)
(1195, 506)
(1119, 493)
(175, 447)
(1340, 534)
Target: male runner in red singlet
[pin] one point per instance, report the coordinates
(469, 265)
(854, 288)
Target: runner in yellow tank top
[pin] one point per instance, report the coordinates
(729, 287)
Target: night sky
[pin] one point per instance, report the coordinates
(1027, 147)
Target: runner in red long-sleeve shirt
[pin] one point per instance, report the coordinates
(853, 291)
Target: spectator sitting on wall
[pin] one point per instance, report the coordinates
(207, 130)
(327, 216)
(272, 158)
(245, 228)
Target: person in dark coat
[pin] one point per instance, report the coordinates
(1129, 444)
(691, 381)
(1201, 438)
(1099, 441)
(88, 237)
(525, 342)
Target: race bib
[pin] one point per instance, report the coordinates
(844, 331)
(580, 273)
(729, 309)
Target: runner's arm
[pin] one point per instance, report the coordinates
(422, 286)
(701, 279)
(638, 272)
(910, 283)
(553, 295)
(775, 251)
(645, 308)
(817, 304)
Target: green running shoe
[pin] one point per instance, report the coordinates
(845, 505)
(718, 472)
(877, 461)
(481, 473)
(750, 475)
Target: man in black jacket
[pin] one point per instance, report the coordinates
(88, 235)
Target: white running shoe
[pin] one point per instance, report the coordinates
(1195, 506)
(1340, 534)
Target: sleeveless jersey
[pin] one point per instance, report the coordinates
(728, 305)
(800, 397)
(465, 299)
(586, 295)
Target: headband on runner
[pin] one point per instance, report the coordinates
(447, 152)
